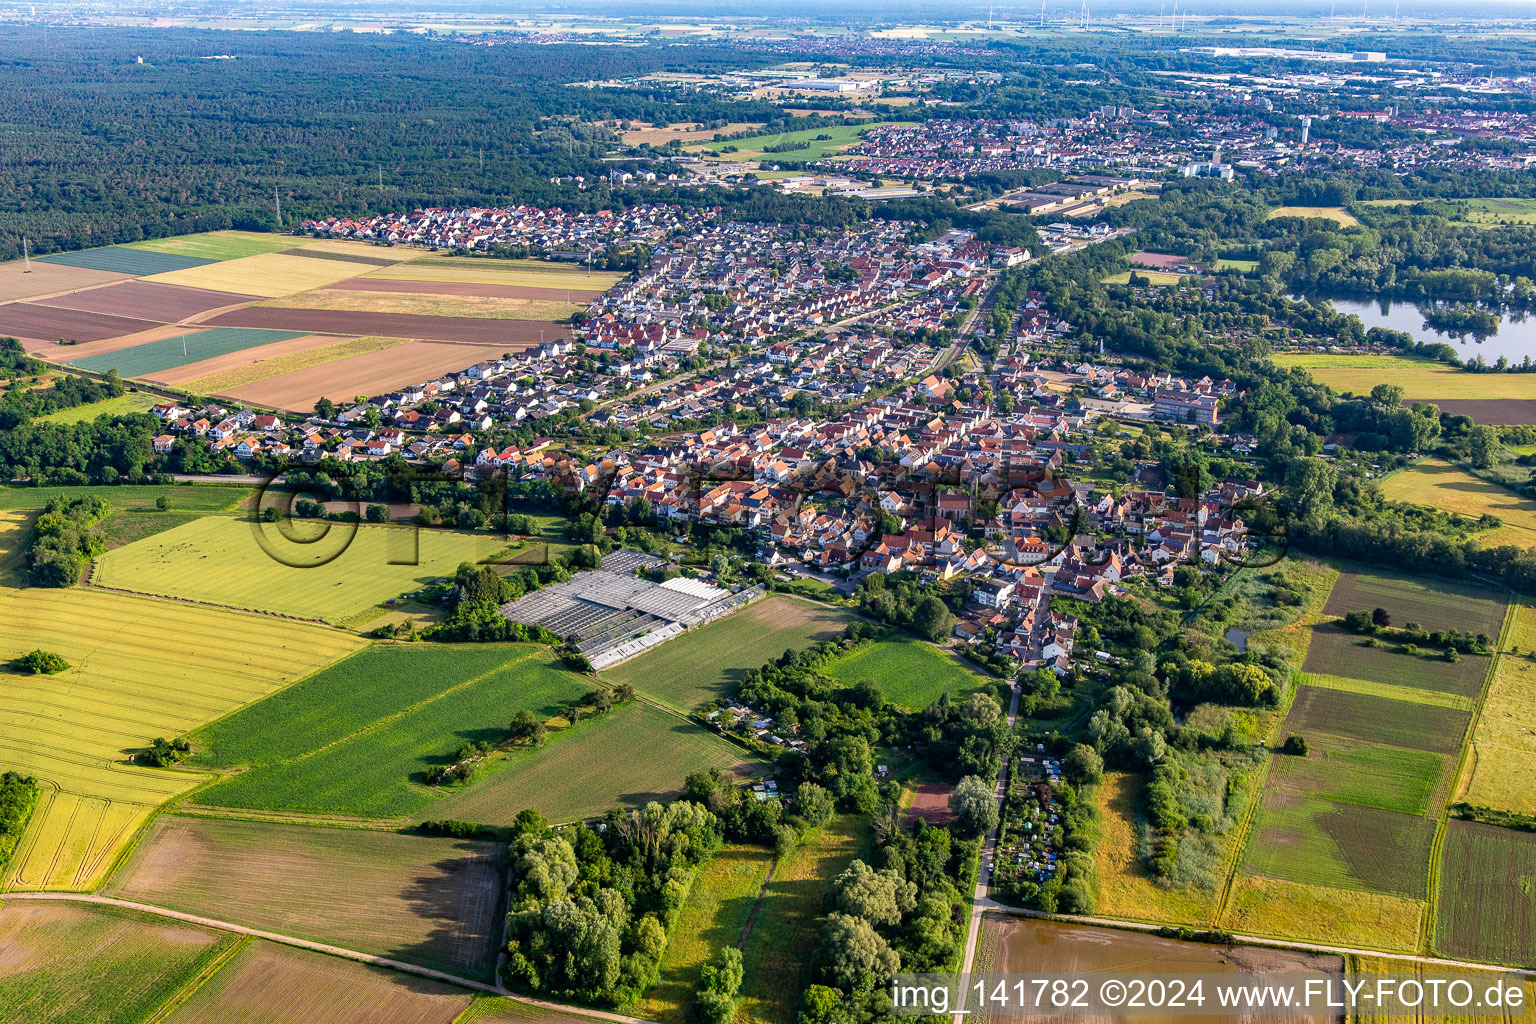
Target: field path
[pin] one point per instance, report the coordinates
(321, 947)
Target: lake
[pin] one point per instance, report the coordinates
(1029, 946)
(1516, 338)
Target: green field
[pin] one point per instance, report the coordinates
(122, 405)
(715, 916)
(64, 963)
(1420, 379)
(751, 148)
(1439, 484)
(1433, 603)
(626, 758)
(1246, 266)
(1158, 278)
(911, 673)
(379, 769)
(1367, 774)
(1336, 651)
(425, 901)
(1319, 842)
(140, 668)
(1487, 908)
(219, 245)
(153, 357)
(1480, 212)
(226, 561)
(1371, 719)
(708, 662)
(182, 497)
(504, 1010)
(779, 951)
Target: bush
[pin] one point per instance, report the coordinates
(163, 752)
(40, 663)
(451, 827)
(1294, 745)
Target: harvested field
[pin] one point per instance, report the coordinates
(426, 901)
(15, 531)
(216, 245)
(367, 374)
(270, 275)
(778, 953)
(139, 669)
(512, 335)
(64, 963)
(380, 770)
(1337, 652)
(911, 673)
(715, 916)
(49, 323)
(1270, 906)
(1434, 604)
(688, 131)
(546, 308)
(1158, 260)
(1487, 906)
(162, 303)
(708, 662)
(1420, 379)
(191, 497)
(1301, 838)
(192, 346)
(121, 260)
(1334, 213)
(1493, 411)
(1504, 741)
(341, 257)
(1452, 489)
(249, 365)
(626, 758)
(270, 984)
(931, 803)
(1376, 720)
(467, 289)
(16, 282)
(226, 561)
(478, 270)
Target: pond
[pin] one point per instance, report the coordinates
(1238, 638)
(1516, 337)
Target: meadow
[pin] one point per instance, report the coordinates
(63, 963)
(1126, 887)
(180, 497)
(708, 662)
(1441, 485)
(1156, 278)
(1504, 739)
(380, 769)
(122, 405)
(230, 562)
(715, 916)
(1302, 838)
(140, 668)
(1272, 906)
(1334, 213)
(840, 137)
(1367, 774)
(506, 1010)
(1487, 908)
(778, 951)
(1421, 379)
(266, 983)
(426, 901)
(626, 758)
(910, 672)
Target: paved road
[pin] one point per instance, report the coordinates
(321, 947)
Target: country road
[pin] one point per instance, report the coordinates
(321, 947)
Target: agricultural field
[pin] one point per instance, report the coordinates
(716, 915)
(1312, 840)
(17, 282)
(1334, 213)
(506, 1010)
(162, 303)
(250, 366)
(122, 405)
(185, 497)
(1156, 278)
(911, 673)
(379, 769)
(218, 245)
(153, 358)
(229, 562)
(266, 983)
(269, 275)
(1373, 688)
(1433, 603)
(1441, 485)
(1337, 652)
(380, 301)
(122, 260)
(1487, 907)
(1271, 906)
(140, 668)
(30, 321)
(515, 273)
(1421, 379)
(1504, 739)
(777, 952)
(426, 901)
(511, 334)
(840, 137)
(1126, 887)
(69, 963)
(626, 758)
(687, 131)
(708, 662)
(1367, 774)
(1371, 719)
(15, 530)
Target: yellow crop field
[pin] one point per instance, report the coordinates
(271, 274)
(485, 307)
(13, 544)
(351, 570)
(139, 668)
(1504, 742)
(1334, 213)
(1444, 486)
(349, 247)
(241, 376)
(1419, 378)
